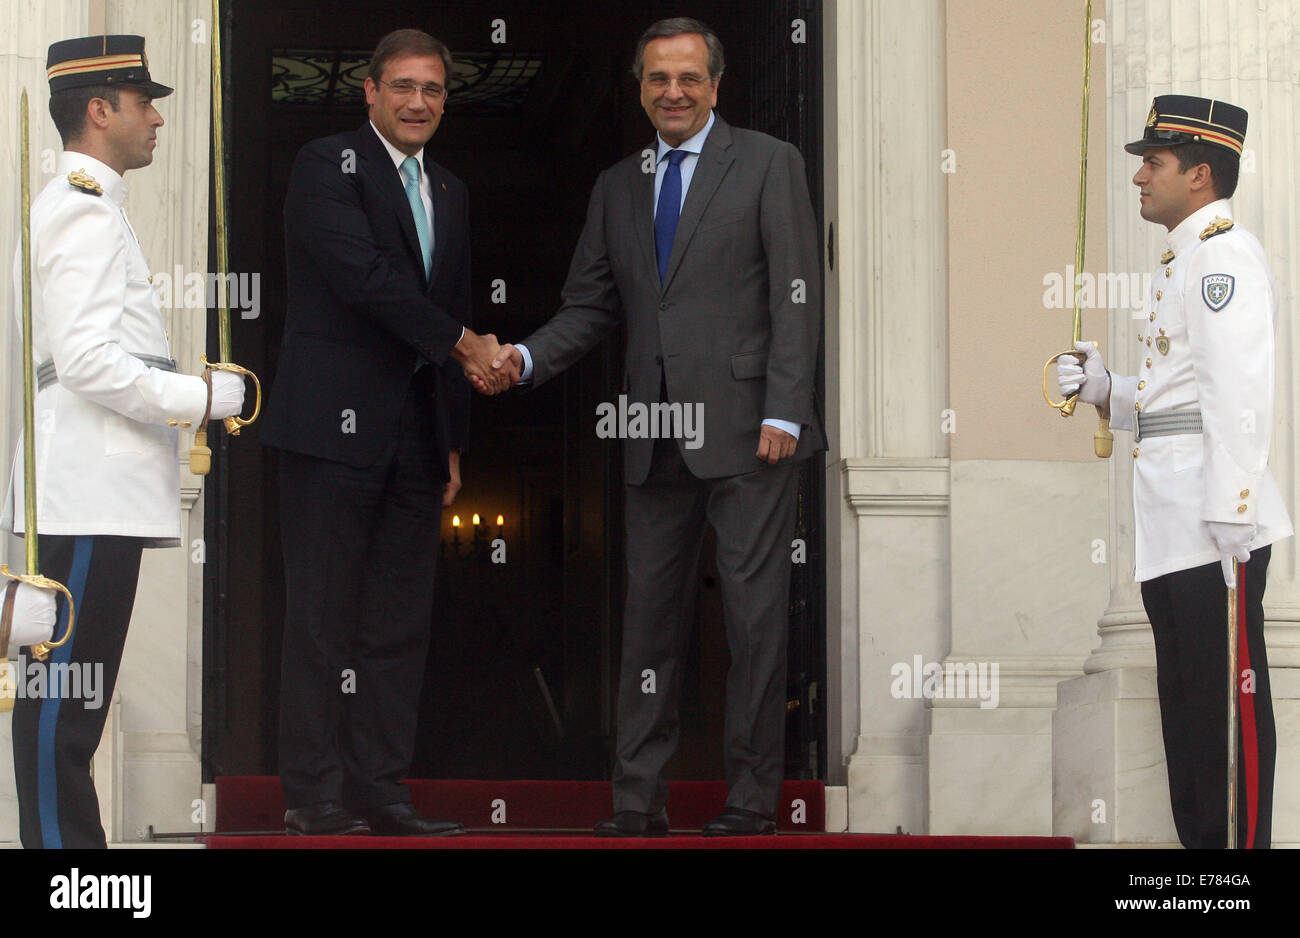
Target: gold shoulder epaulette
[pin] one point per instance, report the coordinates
(85, 183)
(1217, 227)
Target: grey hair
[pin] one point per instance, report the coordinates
(677, 26)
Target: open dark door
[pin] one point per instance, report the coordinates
(521, 674)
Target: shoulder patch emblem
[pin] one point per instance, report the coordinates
(1217, 227)
(85, 183)
(1216, 290)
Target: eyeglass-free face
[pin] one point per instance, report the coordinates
(676, 90)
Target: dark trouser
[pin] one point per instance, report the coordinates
(56, 733)
(360, 548)
(1188, 613)
(753, 517)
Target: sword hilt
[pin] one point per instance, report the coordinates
(41, 650)
(1103, 441)
(235, 424)
(1066, 407)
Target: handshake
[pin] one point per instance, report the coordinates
(488, 365)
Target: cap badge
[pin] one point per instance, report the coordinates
(1153, 116)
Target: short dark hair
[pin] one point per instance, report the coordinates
(402, 42)
(678, 26)
(68, 108)
(1224, 165)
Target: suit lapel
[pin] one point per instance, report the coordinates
(441, 215)
(643, 217)
(711, 166)
(389, 182)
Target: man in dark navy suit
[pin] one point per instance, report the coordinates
(370, 412)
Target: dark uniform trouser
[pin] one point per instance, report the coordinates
(1188, 613)
(55, 737)
(753, 517)
(360, 553)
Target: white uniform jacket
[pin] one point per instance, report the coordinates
(1207, 344)
(106, 458)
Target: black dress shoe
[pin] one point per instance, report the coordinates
(634, 824)
(324, 819)
(738, 822)
(402, 820)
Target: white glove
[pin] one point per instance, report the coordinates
(227, 394)
(1090, 379)
(35, 614)
(1233, 540)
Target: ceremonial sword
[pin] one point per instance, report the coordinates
(40, 650)
(200, 453)
(1103, 440)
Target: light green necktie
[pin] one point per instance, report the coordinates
(411, 171)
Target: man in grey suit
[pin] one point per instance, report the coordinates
(708, 253)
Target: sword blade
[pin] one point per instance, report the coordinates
(219, 192)
(29, 378)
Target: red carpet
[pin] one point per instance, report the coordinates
(520, 841)
(549, 815)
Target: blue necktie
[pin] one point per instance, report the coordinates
(669, 209)
(411, 172)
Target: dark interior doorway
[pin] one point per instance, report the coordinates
(520, 680)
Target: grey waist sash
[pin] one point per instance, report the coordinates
(46, 375)
(1166, 423)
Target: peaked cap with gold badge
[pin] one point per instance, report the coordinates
(1180, 118)
(101, 60)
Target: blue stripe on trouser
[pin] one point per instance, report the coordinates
(47, 778)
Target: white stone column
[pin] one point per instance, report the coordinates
(887, 471)
(1110, 782)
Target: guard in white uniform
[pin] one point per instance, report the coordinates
(108, 412)
(1201, 411)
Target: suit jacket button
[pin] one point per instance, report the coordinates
(1245, 493)
(663, 305)
(1241, 509)
(659, 359)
